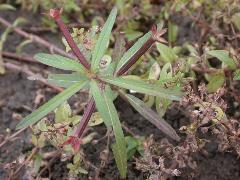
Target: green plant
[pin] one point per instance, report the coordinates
(4, 35)
(105, 78)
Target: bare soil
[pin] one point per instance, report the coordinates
(17, 93)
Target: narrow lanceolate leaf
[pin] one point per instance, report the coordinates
(223, 56)
(237, 75)
(4, 7)
(103, 40)
(167, 53)
(50, 105)
(65, 80)
(216, 81)
(109, 114)
(144, 87)
(59, 62)
(133, 50)
(152, 116)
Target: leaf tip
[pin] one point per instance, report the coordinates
(55, 13)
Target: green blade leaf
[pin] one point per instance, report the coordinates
(130, 53)
(103, 40)
(236, 20)
(121, 158)
(3, 39)
(152, 116)
(50, 105)
(59, 62)
(172, 32)
(5, 7)
(20, 47)
(223, 56)
(109, 114)
(167, 54)
(216, 81)
(237, 75)
(66, 80)
(144, 87)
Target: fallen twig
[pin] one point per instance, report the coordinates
(30, 73)
(48, 165)
(37, 29)
(34, 151)
(34, 38)
(12, 137)
(12, 55)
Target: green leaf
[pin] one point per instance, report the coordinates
(132, 145)
(223, 56)
(167, 54)
(161, 102)
(162, 105)
(66, 80)
(215, 82)
(37, 163)
(20, 47)
(154, 71)
(172, 32)
(62, 113)
(132, 51)
(152, 116)
(109, 114)
(131, 35)
(103, 40)
(50, 105)
(59, 62)
(3, 39)
(237, 75)
(4, 7)
(236, 20)
(166, 72)
(120, 155)
(143, 87)
(95, 120)
(105, 63)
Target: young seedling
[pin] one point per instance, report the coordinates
(105, 80)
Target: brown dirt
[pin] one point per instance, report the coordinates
(16, 92)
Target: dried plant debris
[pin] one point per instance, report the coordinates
(163, 159)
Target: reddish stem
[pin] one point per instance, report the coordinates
(156, 36)
(136, 56)
(56, 15)
(85, 119)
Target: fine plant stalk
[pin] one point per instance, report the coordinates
(85, 118)
(136, 56)
(155, 36)
(56, 15)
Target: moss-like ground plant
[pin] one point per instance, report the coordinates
(106, 79)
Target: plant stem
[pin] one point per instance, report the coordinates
(85, 118)
(56, 15)
(14, 56)
(156, 36)
(7, 139)
(136, 56)
(26, 162)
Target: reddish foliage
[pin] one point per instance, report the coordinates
(74, 141)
